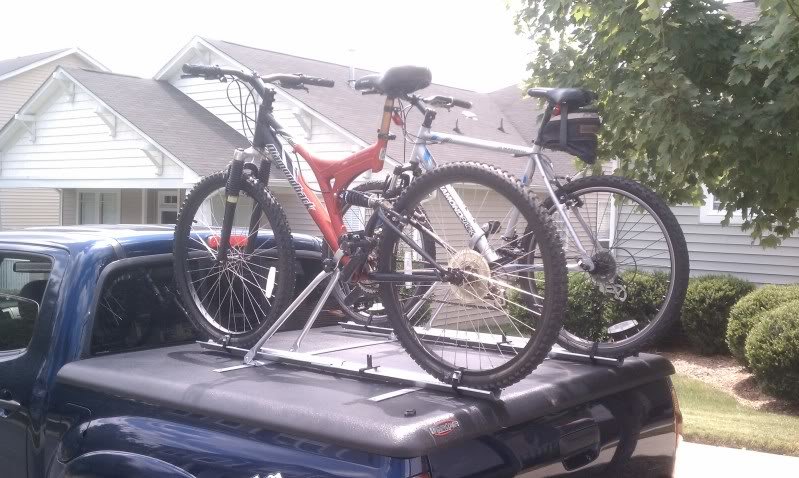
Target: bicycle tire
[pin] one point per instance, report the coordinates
(662, 323)
(379, 318)
(540, 230)
(284, 260)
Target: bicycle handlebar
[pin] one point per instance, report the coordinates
(447, 102)
(284, 80)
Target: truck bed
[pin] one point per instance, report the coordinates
(342, 410)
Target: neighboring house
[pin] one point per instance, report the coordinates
(120, 149)
(19, 79)
(125, 149)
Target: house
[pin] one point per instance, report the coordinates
(19, 79)
(125, 149)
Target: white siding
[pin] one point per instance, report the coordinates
(27, 207)
(15, 91)
(73, 143)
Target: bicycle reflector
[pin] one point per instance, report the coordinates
(235, 241)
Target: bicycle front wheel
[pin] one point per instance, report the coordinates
(496, 313)
(235, 298)
(635, 292)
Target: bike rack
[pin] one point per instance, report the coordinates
(258, 355)
(336, 366)
(507, 344)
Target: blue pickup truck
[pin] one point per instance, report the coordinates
(101, 376)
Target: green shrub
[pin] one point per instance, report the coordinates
(772, 350)
(585, 308)
(707, 307)
(590, 312)
(747, 312)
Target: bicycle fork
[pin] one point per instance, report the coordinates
(232, 189)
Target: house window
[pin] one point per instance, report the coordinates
(168, 207)
(711, 211)
(98, 207)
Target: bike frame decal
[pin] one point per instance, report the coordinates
(271, 150)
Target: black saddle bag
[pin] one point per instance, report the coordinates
(576, 136)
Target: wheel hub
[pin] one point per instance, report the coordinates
(604, 266)
(474, 269)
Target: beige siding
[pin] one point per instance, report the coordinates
(27, 207)
(15, 91)
(130, 206)
(69, 212)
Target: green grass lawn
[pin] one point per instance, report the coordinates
(713, 417)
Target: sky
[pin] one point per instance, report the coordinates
(466, 43)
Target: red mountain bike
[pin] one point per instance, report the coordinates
(431, 234)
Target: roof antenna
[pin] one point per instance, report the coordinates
(501, 125)
(456, 128)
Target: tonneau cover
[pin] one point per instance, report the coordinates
(337, 410)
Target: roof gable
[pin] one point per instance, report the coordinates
(189, 132)
(13, 64)
(16, 66)
(183, 130)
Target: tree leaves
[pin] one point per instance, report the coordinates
(688, 95)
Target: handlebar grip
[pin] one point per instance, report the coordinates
(461, 103)
(324, 82)
(202, 70)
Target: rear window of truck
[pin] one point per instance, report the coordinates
(139, 308)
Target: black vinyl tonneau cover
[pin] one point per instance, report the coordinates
(338, 410)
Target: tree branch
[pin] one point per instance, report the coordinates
(793, 8)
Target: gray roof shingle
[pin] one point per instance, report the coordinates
(13, 64)
(360, 115)
(188, 131)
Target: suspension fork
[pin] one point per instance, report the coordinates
(255, 218)
(235, 177)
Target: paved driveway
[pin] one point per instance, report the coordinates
(695, 461)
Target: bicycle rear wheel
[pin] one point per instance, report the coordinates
(635, 293)
(474, 328)
(238, 298)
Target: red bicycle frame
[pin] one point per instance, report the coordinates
(335, 175)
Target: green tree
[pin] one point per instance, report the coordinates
(689, 96)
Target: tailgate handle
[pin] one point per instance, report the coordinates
(580, 447)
